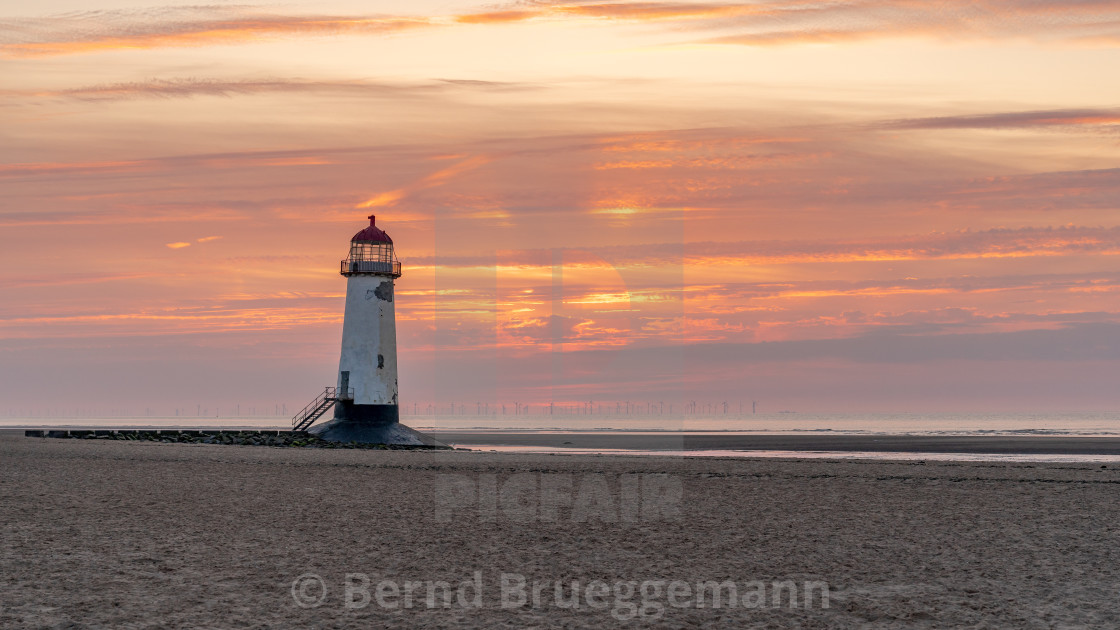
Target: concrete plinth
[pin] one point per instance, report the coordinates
(394, 433)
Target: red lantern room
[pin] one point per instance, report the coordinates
(371, 252)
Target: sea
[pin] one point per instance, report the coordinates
(1053, 424)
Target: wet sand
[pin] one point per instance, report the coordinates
(148, 535)
(972, 444)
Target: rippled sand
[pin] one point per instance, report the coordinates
(112, 534)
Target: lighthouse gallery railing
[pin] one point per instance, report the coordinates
(371, 266)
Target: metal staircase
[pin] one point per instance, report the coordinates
(316, 408)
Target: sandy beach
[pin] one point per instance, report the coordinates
(100, 534)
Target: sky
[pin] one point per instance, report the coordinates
(861, 206)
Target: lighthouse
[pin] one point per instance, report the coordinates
(365, 396)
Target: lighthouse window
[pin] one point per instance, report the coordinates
(371, 257)
(380, 361)
(371, 252)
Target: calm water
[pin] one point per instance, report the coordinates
(1079, 423)
(893, 456)
(1055, 424)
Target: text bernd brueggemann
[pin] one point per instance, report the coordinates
(622, 599)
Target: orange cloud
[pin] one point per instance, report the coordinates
(125, 166)
(122, 216)
(298, 161)
(384, 199)
(656, 11)
(167, 322)
(496, 17)
(649, 143)
(198, 27)
(1042, 242)
(391, 197)
(79, 279)
(714, 163)
(622, 11)
(779, 22)
(33, 168)
(787, 38)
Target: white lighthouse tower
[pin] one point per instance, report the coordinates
(365, 397)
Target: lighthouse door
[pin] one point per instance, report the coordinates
(344, 385)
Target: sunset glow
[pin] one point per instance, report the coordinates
(823, 206)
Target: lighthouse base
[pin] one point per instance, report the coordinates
(370, 424)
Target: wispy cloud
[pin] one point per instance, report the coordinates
(147, 214)
(97, 31)
(777, 22)
(793, 22)
(1088, 341)
(1014, 120)
(628, 11)
(39, 168)
(962, 245)
(191, 87)
(308, 157)
(75, 279)
(169, 321)
(391, 197)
